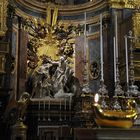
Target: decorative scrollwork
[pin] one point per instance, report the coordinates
(94, 70)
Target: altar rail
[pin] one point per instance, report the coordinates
(106, 134)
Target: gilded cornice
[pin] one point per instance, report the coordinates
(121, 4)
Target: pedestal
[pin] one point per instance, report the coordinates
(19, 131)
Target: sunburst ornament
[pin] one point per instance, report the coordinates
(48, 37)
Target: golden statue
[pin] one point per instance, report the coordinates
(117, 115)
(15, 110)
(22, 104)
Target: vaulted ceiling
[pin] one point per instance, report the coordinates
(68, 12)
(63, 2)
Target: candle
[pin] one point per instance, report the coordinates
(65, 108)
(49, 105)
(65, 103)
(101, 47)
(39, 105)
(44, 104)
(114, 43)
(85, 16)
(116, 34)
(126, 59)
(60, 119)
(60, 104)
(70, 103)
(49, 119)
(85, 35)
(39, 111)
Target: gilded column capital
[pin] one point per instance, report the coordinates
(121, 4)
(135, 4)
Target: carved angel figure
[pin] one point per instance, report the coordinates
(22, 104)
(15, 110)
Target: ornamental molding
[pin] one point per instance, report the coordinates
(63, 10)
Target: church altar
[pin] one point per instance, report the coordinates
(79, 63)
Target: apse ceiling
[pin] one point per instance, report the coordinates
(70, 6)
(68, 12)
(63, 2)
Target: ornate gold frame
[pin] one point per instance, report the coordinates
(3, 16)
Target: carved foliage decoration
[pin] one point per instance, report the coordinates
(135, 4)
(123, 3)
(3, 16)
(136, 27)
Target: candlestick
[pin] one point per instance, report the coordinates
(114, 59)
(101, 47)
(102, 90)
(126, 59)
(116, 34)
